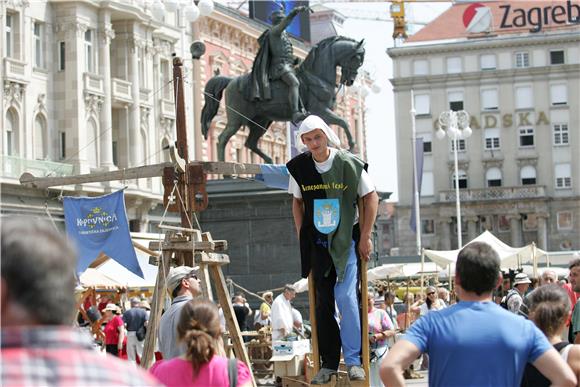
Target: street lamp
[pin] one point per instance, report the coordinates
(455, 124)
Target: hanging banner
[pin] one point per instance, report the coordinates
(419, 163)
(99, 225)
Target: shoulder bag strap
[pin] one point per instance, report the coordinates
(233, 371)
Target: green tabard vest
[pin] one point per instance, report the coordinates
(340, 182)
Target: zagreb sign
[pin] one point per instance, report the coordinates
(478, 17)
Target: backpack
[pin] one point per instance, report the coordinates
(504, 301)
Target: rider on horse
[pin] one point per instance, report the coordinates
(275, 60)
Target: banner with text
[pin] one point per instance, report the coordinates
(99, 225)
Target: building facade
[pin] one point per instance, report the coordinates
(519, 171)
(87, 87)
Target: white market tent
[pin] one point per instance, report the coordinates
(92, 278)
(395, 270)
(559, 258)
(510, 257)
(115, 271)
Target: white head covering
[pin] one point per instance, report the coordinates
(311, 123)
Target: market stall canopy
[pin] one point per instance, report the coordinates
(509, 256)
(395, 270)
(560, 271)
(559, 258)
(93, 278)
(114, 270)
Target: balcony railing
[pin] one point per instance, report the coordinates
(13, 166)
(14, 69)
(145, 97)
(93, 83)
(494, 193)
(121, 90)
(167, 108)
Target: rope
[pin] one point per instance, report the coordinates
(50, 216)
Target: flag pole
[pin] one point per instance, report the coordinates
(416, 184)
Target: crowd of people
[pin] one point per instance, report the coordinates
(498, 331)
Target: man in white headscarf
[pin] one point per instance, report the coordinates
(325, 183)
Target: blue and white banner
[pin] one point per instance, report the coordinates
(99, 225)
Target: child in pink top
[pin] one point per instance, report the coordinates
(199, 329)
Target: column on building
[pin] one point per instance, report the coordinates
(134, 110)
(75, 119)
(445, 227)
(542, 239)
(516, 230)
(106, 33)
(471, 228)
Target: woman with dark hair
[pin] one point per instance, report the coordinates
(432, 302)
(199, 330)
(549, 306)
(114, 330)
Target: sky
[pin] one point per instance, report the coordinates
(380, 118)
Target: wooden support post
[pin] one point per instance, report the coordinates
(156, 307)
(364, 306)
(231, 321)
(314, 327)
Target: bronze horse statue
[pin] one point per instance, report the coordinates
(317, 75)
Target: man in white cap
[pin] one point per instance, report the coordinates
(326, 183)
(182, 284)
(515, 297)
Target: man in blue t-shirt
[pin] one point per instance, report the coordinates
(475, 342)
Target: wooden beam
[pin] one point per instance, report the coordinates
(226, 168)
(364, 306)
(231, 322)
(221, 245)
(155, 170)
(27, 179)
(313, 324)
(157, 306)
(212, 259)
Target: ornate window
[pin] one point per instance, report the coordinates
(40, 138)
(89, 52)
(11, 134)
(92, 141)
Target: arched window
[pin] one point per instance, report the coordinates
(493, 177)
(11, 134)
(462, 179)
(528, 175)
(40, 138)
(92, 147)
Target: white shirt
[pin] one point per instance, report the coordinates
(281, 317)
(365, 184)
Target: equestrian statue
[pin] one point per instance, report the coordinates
(277, 91)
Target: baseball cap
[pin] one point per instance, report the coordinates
(311, 123)
(176, 274)
(522, 278)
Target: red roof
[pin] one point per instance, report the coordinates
(454, 23)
